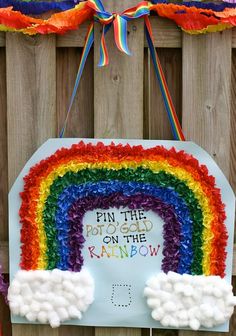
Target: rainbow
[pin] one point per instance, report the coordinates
(60, 189)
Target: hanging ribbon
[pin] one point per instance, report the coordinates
(87, 46)
(169, 106)
(119, 22)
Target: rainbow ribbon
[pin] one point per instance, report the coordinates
(87, 46)
(119, 22)
(169, 106)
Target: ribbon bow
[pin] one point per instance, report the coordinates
(119, 22)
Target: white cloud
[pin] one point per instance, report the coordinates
(189, 300)
(51, 296)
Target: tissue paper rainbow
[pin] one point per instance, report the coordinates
(60, 189)
(86, 172)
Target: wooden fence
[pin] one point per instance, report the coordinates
(122, 100)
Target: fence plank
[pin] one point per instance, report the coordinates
(2, 39)
(80, 122)
(76, 331)
(3, 148)
(157, 125)
(74, 38)
(165, 35)
(232, 177)
(206, 93)
(4, 255)
(206, 98)
(31, 97)
(118, 89)
(120, 114)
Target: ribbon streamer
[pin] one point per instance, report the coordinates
(169, 106)
(120, 32)
(88, 44)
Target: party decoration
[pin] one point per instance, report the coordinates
(193, 17)
(38, 7)
(100, 211)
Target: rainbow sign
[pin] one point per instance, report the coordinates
(60, 189)
(93, 221)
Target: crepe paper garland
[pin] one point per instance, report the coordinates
(193, 20)
(204, 300)
(38, 7)
(44, 229)
(216, 6)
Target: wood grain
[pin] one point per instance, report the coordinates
(4, 256)
(31, 96)
(234, 38)
(206, 93)
(3, 148)
(33, 330)
(157, 125)
(206, 100)
(80, 122)
(76, 331)
(159, 332)
(165, 35)
(2, 39)
(232, 176)
(118, 89)
(233, 123)
(31, 113)
(74, 38)
(117, 332)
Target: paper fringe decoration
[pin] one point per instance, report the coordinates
(194, 19)
(38, 7)
(60, 189)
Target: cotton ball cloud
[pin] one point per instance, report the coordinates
(51, 296)
(189, 300)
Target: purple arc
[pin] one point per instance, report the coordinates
(171, 227)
